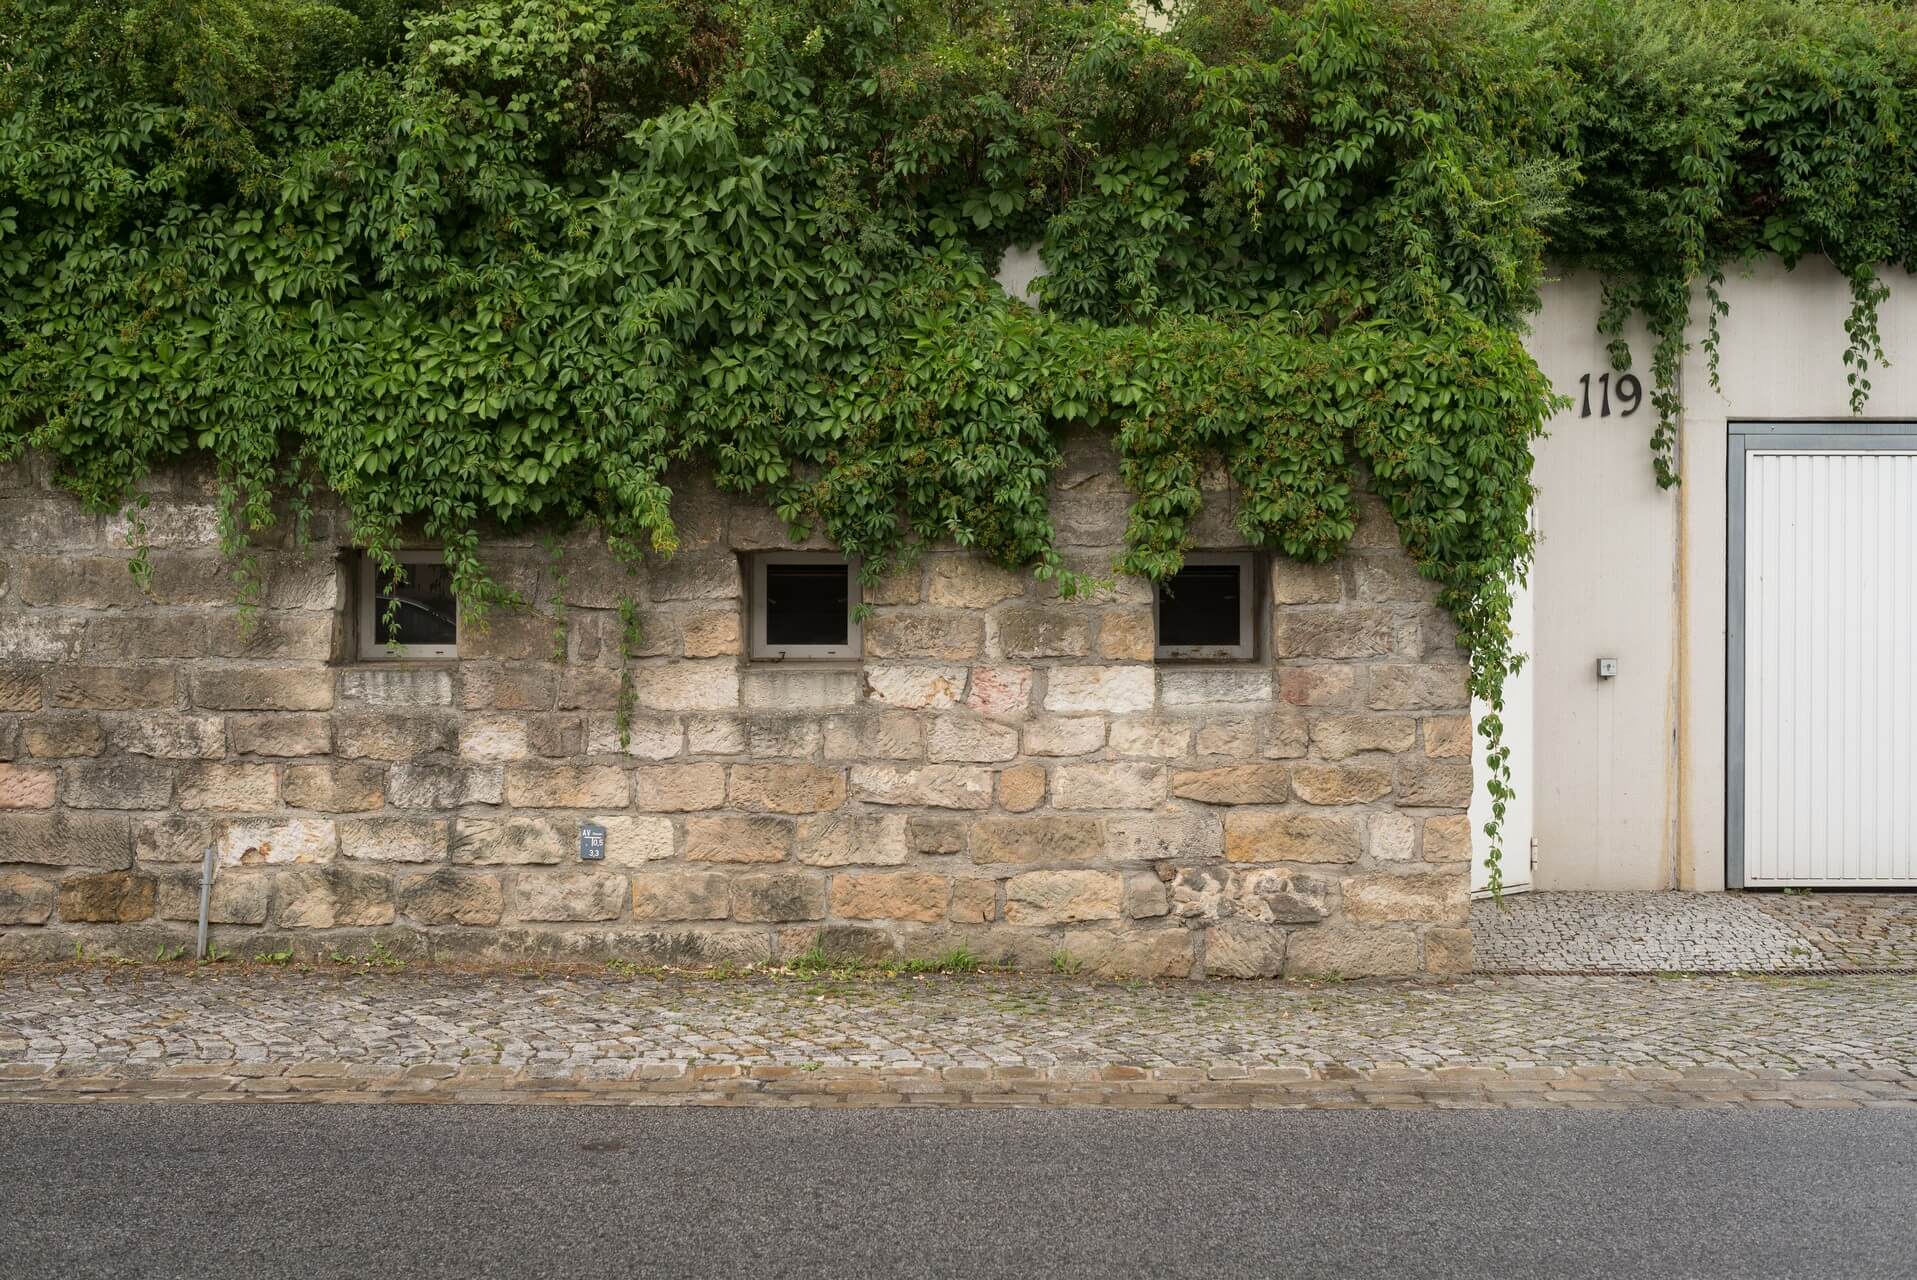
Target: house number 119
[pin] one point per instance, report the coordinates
(1630, 394)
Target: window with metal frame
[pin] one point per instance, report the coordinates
(414, 615)
(1206, 612)
(802, 606)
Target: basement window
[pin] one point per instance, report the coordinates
(1204, 611)
(412, 616)
(802, 606)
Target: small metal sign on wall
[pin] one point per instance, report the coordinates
(592, 842)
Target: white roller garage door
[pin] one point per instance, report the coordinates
(1823, 630)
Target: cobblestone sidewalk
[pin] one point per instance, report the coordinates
(1647, 933)
(91, 1034)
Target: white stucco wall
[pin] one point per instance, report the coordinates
(1630, 771)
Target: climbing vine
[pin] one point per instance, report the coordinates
(472, 264)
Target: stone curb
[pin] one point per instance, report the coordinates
(1194, 1087)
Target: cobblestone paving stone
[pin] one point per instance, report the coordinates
(1695, 933)
(105, 1035)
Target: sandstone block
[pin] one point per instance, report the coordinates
(1253, 835)
(680, 788)
(288, 637)
(1317, 686)
(494, 739)
(1236, 784)
(733, 839)
(784, 737)
(1244, 950)
(263, 689)
(935, 837)
(26, 787)
(108, 897)
(229, 788)
(20, 688)
(1114, 690)
(915, 687)
(711, 633)
(113, 688)
(329, 788)
(544, 786)
(285, 735)
(1336, 737)
(576, 895)
(435, 786)
(1437, 687)
(378, 735)
(1295, 582)
(964, 738)
(174, 838)
(890, 895)
(1108, 786)
(694, 577)
(251, 842)
(937, 786)
(507, 841)
(845, 839)
(1394, 837)
(1022, 789)
(1152, 953)
(1328, 784)
(119, 782)
(1342, 632)
(1000, 693)
(799, 688)
(333, 898)
(786, 788)
(973, 902)
(1448, 737)
(239, 896)
(1146, 896)
(1127, 634)
(1055, 631)
(1050, 838)
(1272, 895)
(1180, 837)
(687, 685)
(715, 735)
(1360, 952)
(452, 897)
(1065, 736)
(647, 737)
(1447, 951)
(397, 687)
(25, 899)
(1228, 738)
(145, 633)
(1212, 686)
(1151, 739)
(1391, 577)
(507, 687)
(96, 840)
(395, 839)
(170, 737)
(633, 841)
(1448, 839)
(64, 737)
(40, 637)
(971, 582)
(1430, 783)
(778, 896)
(909, 634)
(883, 735)
(681, 895)
(1286, 736)
(1063, 897)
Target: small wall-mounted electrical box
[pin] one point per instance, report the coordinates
(1607, 668)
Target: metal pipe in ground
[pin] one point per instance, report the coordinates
(206, 898)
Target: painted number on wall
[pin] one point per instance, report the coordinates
(1630, 394)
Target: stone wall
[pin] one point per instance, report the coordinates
(1004, 772)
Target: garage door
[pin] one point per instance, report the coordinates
(1822, 740)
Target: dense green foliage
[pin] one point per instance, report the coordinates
(509, 261)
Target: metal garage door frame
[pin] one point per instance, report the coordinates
(1745, 436)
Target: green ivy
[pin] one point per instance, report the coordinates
(472, 264)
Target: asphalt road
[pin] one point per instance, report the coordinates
(391, 1192)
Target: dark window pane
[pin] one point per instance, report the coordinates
(1199, 606)
(806, 604)
(421, 608)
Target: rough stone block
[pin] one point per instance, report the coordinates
(386, 735)
(1174, 837)
(973, 902)
(711, 633)
(147, 633)
(1228, 738)
(1022, 789)
(682, 895)
(1151, 953)
(170, 737)
(20, 688)
(452, 897)
(1151, 739)
(733, 839)
(25, 899)
(1286, 736)
(778, 897)
(971, 582)
(1394, 837)
(1127, 635)
(238, 896)
(633, 841)
(1336, 737)
(935, 837)
(1346, 952)
(96, 840)
(786, 788)
(1065, 736)
(1295, 582)
(280, 735)
(1422, 897)
(942, 638)
(1393, 577)
(1448, 737)
(798, 688)
(41, 637)
(436, 786)
(1330, 784)
(847, 839)
(263, 689)
(1432, 784)
(937, 786)
(507, 841)
(1146, 896)
(107, 897)
(1053, 631)
(714, 736)
(1320, 685)
(1437, 687)
(577, 895)
(588, 689)
(175, 838)
(1208, 686)
(494, 739)
(1045, 838)
(251, 842)
(915, 687)
(1236, 784)
(119, 782)
(333, 898)
(1001, 693)
(288, 637)
(685, 685)
(1108, 786)
(1112, 690)
(647, 737)
(967, 739)
(694, 577)
(784, 737)
(229, 788)
(27, 787)
(1342, 632)
(396, 687)
(1244, 950)
(113, 688)
(1447, 951)
(544, 786)
(881, 735)
(680, 788)
(1253, 835)
(507, 687)
(890, 895)
(1447, 839)
(344, 788)
(1063, 897)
